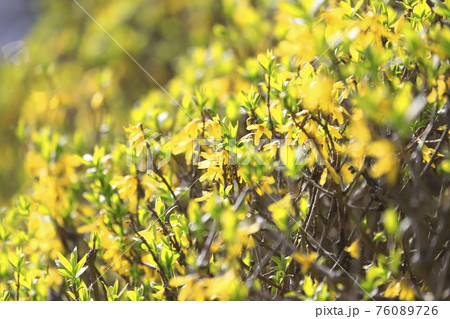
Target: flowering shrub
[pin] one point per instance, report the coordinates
(297, 151)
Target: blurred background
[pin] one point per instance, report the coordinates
(61, 74)
(16, 18)
(65, 84)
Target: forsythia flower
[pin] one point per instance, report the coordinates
(427, 152)
(353, 249)
(213, 165)
(136, 136)
(399, 287)
(386, 164)
(316, 93)
(127, 188)
(259, 130)
(305, 261)
(264, 186)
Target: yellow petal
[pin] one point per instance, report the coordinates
(392, 290)
(182, 280)
(406, 292)
(353, 249)
(258, 135)
(323, 177)
(305, 261)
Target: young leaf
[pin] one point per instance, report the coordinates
(67, 265)
(79, 268)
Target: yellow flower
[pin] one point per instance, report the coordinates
(272, 148)
(213, 164)
(127, 188)
(204, 197)
(35, 164)
(280, 211)
(150, 186)
(427, 152)
(214, 158)
(286, 128)
(264, 186)
(222, 287)
(386, 164)
(406, 292)
(353, 249)
(300, 42)
(305, 261)
(317, 93)
(183, 142)
(186, 146)
(323, 177)
(136, 137)
(392, 290)
(259, 130)
(213, 128)
(334, 131)
(212, 173)
(399, 287)
(182, 280)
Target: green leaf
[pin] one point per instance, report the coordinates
(379, 236)
(64, 273)
(74, 258)
(23, 205)
(267, 61)
(159, 207)
(80, 265)
(5, 295)
(17, 260)
(65, 262)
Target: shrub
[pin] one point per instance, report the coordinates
(300, 151)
